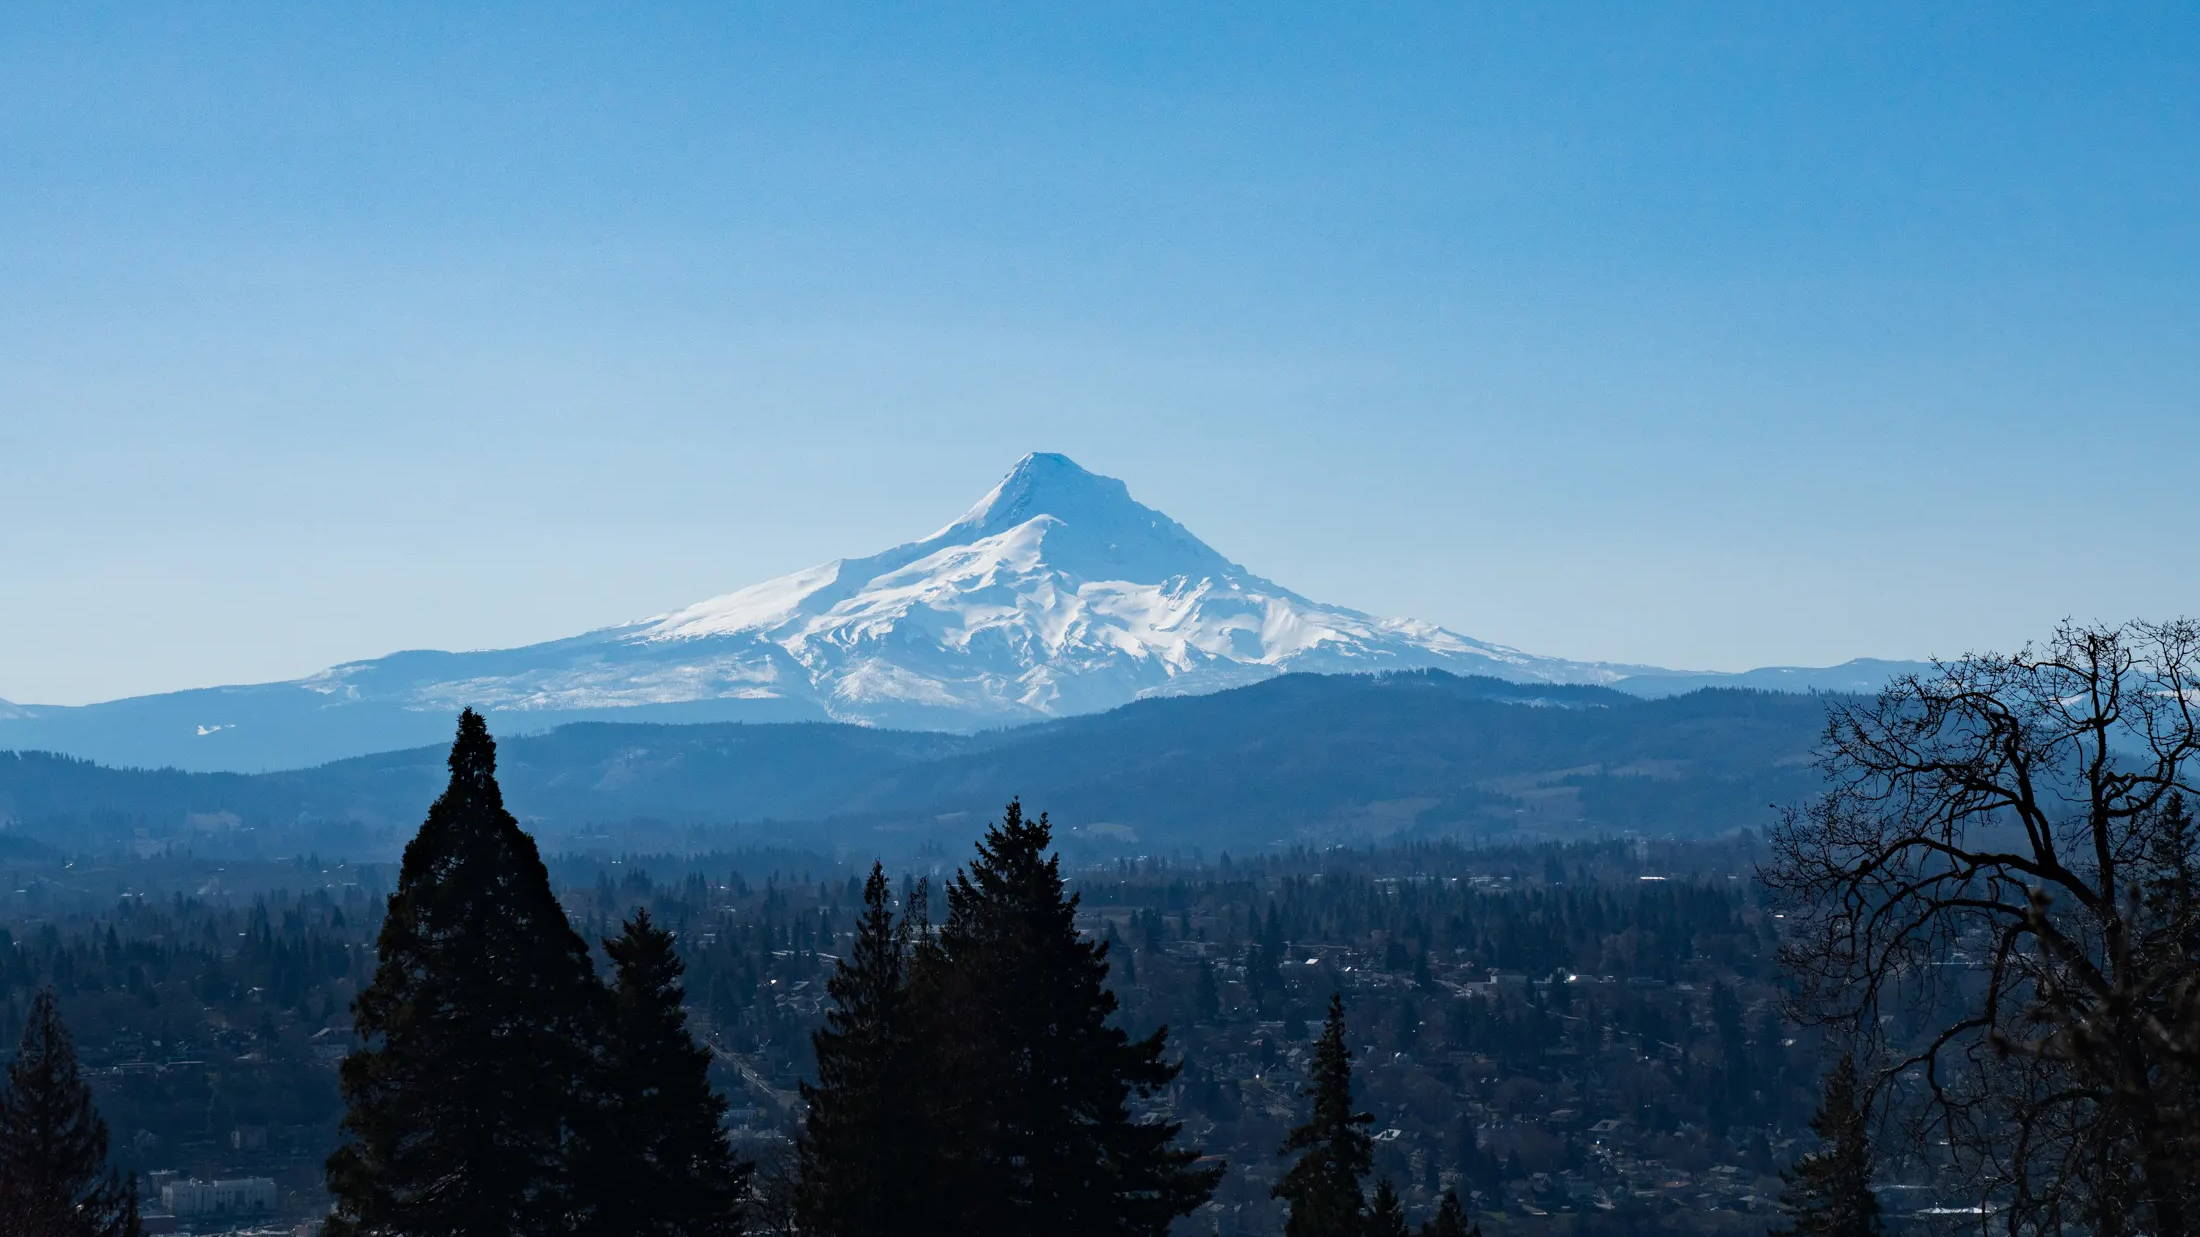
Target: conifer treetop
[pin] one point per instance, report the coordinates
(473, 762)
(1038, 1080)
(864, 1169)
(1829, 1191)
(53, 1144)
(660, 1165)
(1323, 1185)
(481, 1034)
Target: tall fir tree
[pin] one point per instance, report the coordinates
(54, 1178)
(2169, 909)
(663, 1167)
(1829, 1191)
(861, 1156)
(1322, 1188)
(1450, 1219)
(1035, 1081)
(479, 1075)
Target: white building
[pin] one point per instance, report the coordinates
(238, 1197)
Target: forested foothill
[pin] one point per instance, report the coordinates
(1953, 988)
(1308, 759)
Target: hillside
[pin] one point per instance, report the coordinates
(1293, 759)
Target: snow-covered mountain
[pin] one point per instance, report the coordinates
(1056, 593)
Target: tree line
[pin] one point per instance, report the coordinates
(971, 1076)
(759, 934)
(971, 1080)
(1995, 907)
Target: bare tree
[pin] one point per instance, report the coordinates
(1995, 896)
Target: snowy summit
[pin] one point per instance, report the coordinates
(1056, 593)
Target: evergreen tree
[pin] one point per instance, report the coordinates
(1828, 1191)
(1034, 1081)
(1128, 956)
(860, 1156)
(1729, 1086)
(1323, 1187)
(663, 1167)
(54, 1179)
(2170, 890)
(1386, 1215)
(1206, 994)
(480, 1070)
(1450, 1220)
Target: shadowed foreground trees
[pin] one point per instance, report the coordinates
(664, 1168)
(979, 1067)
(2003, 869)
(1322, 1187)
(970, 1080)
(500, 1087)
(477, 1081)
(862, 1162)
(54, 1179)
(1039, 1078)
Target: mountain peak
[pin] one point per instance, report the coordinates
(1047, 515)
(1042, 483)
(1043, 461)
(1098, 530)
(1057, 593)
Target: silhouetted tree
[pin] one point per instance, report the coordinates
(864, 1164)
(663, 1167)
(480, 1069)
(2016, 800)
(1386, 1215)
(1322, 1188)
(54, 1179)
(1829, 1190)
(1034, 1080)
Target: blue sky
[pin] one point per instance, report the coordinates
(1699, 335)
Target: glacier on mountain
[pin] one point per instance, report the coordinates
(1056, 593)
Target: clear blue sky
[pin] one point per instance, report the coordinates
(1702, 335)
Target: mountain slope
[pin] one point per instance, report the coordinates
(1055, 594)
(1298, 758)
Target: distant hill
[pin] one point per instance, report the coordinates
(1292, 759)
